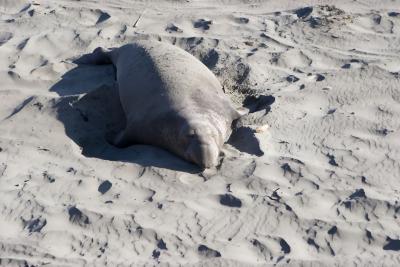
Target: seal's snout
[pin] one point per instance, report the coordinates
(201, 143)
(203, 154)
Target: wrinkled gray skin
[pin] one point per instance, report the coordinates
(170, 100)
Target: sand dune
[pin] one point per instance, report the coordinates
(309, 178)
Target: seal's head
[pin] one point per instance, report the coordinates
(201, 144)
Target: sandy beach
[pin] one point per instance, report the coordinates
(311, 177)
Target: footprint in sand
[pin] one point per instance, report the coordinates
(104, 187)
(394, 14)
(103, 16)
(242, 20)
(392, 244)
(202, 24)
(315, 77)
(346, 66)
(208, 252)
(77, 217)
(34, 225)
(173, 28)
(230, 201)
(92, 17)
(5, 37)
(22, 44)
(292, 79)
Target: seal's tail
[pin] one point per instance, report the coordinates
(99, 56)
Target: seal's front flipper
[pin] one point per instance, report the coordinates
(242, 111)
(99, 56)
(239, 112)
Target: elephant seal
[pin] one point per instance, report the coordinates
(170, 99)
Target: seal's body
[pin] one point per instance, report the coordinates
(170, 100)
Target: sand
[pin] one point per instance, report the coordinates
(309, 178)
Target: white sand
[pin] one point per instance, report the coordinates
(320, 182)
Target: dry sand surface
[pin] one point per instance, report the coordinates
(310, 178)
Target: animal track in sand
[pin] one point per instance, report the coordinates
(292, 79)
(202, 24)
(34, 225)
(104, 187)
(161, 244)
(321, 15)
(5, 37)
(242, 20)
(332, 160)
(346, 66)
(91, 17)
(103, 16)
(77, 217)
(210, 59)
(156, 254)
(284, 246)
(208, 252)
(394, 14)
(303, 12)
(373, 23)
(173, 28)
(230, 201)
(270, 246)
(22, 44)
(392, 244)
